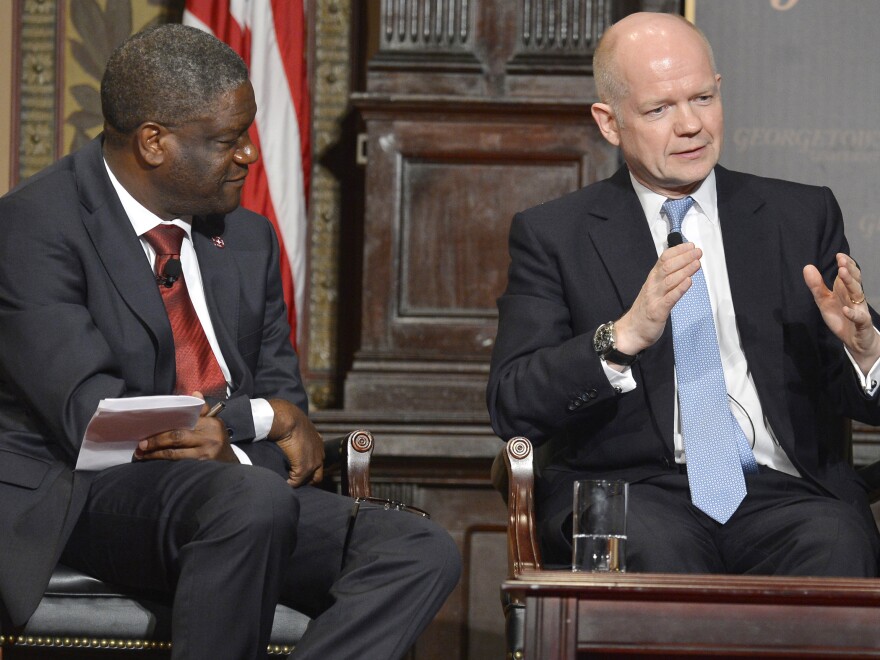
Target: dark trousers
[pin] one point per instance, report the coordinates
(784, 526)
(230, 541)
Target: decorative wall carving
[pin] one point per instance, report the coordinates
(331, 85)
(565, 25)
(37, 66)
(64, 45)
(444, 24)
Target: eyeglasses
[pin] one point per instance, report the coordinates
(388, 504)
(385, 504)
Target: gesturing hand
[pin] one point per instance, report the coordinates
(300, 441)
(669, 279)
(845, 310)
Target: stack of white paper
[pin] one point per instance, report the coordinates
(119, 424)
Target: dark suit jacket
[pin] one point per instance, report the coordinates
(81, 319)
(580, 261)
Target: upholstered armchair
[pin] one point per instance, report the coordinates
(81, 612)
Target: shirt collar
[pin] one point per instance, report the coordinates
(705, 197)
(142, 219)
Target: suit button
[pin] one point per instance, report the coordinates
(592, 394)
(229, 432)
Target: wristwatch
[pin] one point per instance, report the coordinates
(603, 342)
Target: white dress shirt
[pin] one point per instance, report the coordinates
(143, 220)
(702, 227)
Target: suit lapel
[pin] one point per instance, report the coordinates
(752, 248)
(222, 288)
(120, 251)
(623, 241)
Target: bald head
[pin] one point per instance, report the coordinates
(631, 38)
(661, 101)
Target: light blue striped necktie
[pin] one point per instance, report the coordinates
(716, 448)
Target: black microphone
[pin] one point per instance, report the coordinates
(674, 238)
(171, 273)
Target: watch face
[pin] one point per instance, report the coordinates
(602, 340)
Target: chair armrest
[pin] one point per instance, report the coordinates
(523, 549)
(350, 455)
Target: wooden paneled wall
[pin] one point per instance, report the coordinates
(472, 110)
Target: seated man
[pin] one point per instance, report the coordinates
(714, 378)
(224, 517)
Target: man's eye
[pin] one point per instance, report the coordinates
(656, 111)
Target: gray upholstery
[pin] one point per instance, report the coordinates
(81, 611)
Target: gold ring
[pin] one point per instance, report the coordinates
(860, 300)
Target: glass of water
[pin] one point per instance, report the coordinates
(599, 543)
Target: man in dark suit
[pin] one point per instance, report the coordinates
(82, 319)
(584, 360)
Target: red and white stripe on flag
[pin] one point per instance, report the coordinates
(270, 36)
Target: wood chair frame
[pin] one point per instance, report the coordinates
(562, 615)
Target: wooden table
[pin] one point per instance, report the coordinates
(573, 615)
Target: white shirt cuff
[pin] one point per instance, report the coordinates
(871, 381)
(621, 381)
(243, 458)
(263, 418)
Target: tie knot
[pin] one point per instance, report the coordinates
(165, 239)
(675, 210)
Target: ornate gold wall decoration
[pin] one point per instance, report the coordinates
(330, 92)
(64, 46)
(91, 31)
(36, 118)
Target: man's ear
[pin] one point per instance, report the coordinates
(607, 122)
(150, 140)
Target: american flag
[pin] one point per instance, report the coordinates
(270, 36)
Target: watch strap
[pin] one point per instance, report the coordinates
(615, 356)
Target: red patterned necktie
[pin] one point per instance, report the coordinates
(197, 368)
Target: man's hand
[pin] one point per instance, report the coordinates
(669, 279)
(208, 441)
(845, 310)
(300, 441)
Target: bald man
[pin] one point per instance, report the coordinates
(591, 361)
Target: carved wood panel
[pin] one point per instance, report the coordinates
(442, 186)
(443, 255)
(565, 26)
(434, 25)
(473, 110)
